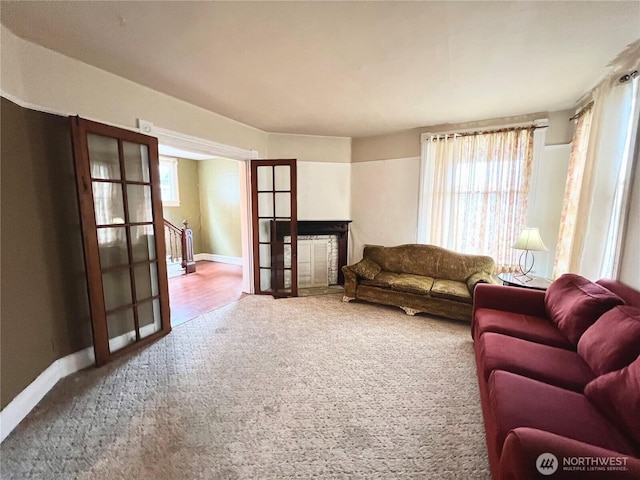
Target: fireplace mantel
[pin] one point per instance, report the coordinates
(321, 227)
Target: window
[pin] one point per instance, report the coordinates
(474, 192)
(169, 182)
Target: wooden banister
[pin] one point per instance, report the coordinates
(188, 263)
(179, 242)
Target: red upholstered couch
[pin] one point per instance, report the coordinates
(559, 378)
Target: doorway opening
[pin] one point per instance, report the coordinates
(206, 187)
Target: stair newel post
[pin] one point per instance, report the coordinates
(188, 263)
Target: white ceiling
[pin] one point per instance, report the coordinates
(346, 69)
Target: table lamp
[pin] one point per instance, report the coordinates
(528, 241)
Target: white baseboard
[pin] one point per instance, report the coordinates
(26, 400)
(212, 257)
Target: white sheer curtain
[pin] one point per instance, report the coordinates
(606, 182)
(474, 192)
(565, 253)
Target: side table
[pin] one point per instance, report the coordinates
(536, 283)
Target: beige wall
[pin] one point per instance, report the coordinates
(545, 202)
(44, 312)
(220, 207)
(61, 84)
(407, 143)
(308, 148)
(189, 209)
(384, 203)
(324, 173)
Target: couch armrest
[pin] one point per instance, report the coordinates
(350, 281)
(479, 277)
(524, 445)
(510, 299)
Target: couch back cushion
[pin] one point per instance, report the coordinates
(429, 260)
(617, 395)
(625, 292)
(574, 303)
(613, 341)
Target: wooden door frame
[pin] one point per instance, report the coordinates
(244, 156)
(79, 128)
(293, 226)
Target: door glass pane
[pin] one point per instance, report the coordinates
(287, 255)
(112, 244)
(103, 157)
(265, 204)
(146, 278)
(143, 243)
(264, 233)
(122, 329)
(283, 205)
(149, 318)
(265, 256)
(136, 162)
(282, 180)
(108, 203)
(265, 178)
(116, 286)
(265, 279)
(139, 198)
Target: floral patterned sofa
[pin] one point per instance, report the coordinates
(418, 278)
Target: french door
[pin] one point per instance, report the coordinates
(122, 225)
(275, 227)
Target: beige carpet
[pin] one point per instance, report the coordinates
(294, 388)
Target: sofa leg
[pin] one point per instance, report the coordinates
(410, 311)
(347, 299)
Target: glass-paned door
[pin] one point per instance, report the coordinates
(274, 207)
(121, 212)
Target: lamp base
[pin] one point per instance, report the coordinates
(523, 276)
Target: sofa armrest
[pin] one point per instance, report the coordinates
(510, 299)
(524, 445)
(350, 281)
(479, 277)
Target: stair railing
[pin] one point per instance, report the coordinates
(188, 263)
(179, 244)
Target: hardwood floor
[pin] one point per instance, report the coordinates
(212, 286)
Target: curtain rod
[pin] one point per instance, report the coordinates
(482, 132)
(582, 111)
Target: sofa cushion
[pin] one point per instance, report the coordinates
(451, 290)
(526, 327)
(366, 268)
(552, 365)
(408, 283)
(574, 303)
(617, 394)
(630, 295)
(613, 341)
(516, 401)
(384, 280)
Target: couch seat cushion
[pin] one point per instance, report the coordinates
(552, 365)
(613, 342)
(574, 303)
(617, 394)
(451, 290)
(383, 279)
(517, 401)
(408, 283)
(526, 327)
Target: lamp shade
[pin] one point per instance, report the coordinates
(529, 239)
